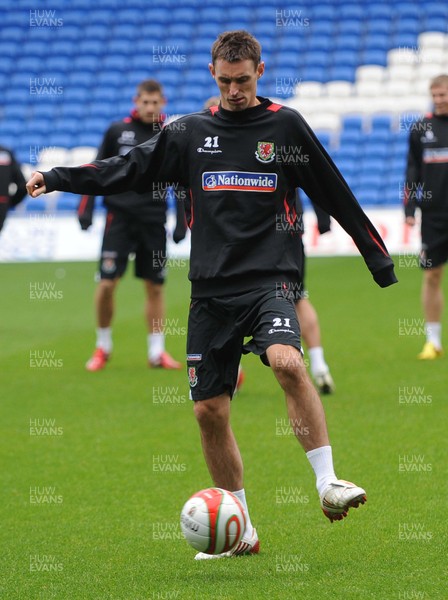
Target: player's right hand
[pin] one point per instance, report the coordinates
(410, 221)
(36, 185)
(85, 222)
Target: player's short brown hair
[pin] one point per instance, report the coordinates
(150, 86)
(439, 81)
(233, 46)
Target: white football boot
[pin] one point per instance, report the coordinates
(339, 496)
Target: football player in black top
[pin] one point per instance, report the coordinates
(11, 176)
(135, 222)
(242, 162)
(427, 188)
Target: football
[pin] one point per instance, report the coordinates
(213, 521)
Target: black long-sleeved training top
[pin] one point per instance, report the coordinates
(10, 173)
(427, 168)
(241, 170)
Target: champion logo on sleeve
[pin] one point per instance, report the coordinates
(239, 180)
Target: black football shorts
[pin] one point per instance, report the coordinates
(123, 235)
(434, 250)
(216, 331)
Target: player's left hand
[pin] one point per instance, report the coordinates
(36, 185)
(179, 233)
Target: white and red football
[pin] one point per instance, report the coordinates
(213, 521)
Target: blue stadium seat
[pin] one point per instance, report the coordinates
(13, 35)
(381, 136)
(40, 126)
(28, 63)
(341, 73)
(47, 111)
(316, 59)
(7, 64)
(345, 58)
(371, 164)
(266, 13)
(379, 10)
(316, 42)
(410, 26)
(211, 15)
(58, 63)
(81, 78)
(8, 49)
(76, 94)
(350, 27)
(436, 10)
(352, 122)
(407, 9)
(324, 138)
(114, 65)
(10, 127)
(97, 31)
(348, 138)
(376, 41)
(75, 110)
(435, 24)
(17, 95)
(350, 42)
(15, 17)
(86, 138)
(314, 74)
(402, 40)
(196, 76)
(368, 194)
(62, 139)
(322, 29)
(347, 167)
(324, 12)
(153, 21)
(379, 25)
(67, 202)
(351, 11)
(185, 15)
(374, 57)
(98, 17)
(109, 78)
(374, 150)
(35, 204)
(85, 63)
(130, 16)
(382, 122)
(66, 125)
(33, 49)
(72, 32)
(63, 48)
(91, 47)
(104, 94)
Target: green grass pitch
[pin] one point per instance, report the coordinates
(96, 467)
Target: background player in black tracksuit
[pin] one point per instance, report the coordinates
(135, 222)
(12, 183)
(242, 164)
(427, 188)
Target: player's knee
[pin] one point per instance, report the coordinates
(212, 413)
(433, 277)
(107, 286)
(287, 364)
(153, 290)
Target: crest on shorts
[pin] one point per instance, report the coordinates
(192, 376)
(108, 265)
(265, 152)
